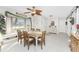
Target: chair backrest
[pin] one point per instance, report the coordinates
(43, 35)
(37, 29)
(19, 34)
(33, 29)
(25, 35)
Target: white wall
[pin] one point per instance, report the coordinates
(43, 21)
(59, 14)
(40, 22)
(61, 25)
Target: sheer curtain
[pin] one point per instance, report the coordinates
(38, 22)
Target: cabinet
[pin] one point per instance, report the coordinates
(52, 29)
(74, 43)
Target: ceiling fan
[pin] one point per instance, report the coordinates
(33, 11)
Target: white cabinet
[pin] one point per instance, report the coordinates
(52, 29)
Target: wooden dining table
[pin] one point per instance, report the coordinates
(35, 34)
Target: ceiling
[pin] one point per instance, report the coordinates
(58, 11)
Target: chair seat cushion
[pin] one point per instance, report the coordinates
(39, 39)
(31, 39)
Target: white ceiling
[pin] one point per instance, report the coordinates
(58, 11)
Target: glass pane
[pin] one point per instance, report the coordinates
(18, 23)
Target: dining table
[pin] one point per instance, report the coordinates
(35, 34)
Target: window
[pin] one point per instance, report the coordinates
(20, 23)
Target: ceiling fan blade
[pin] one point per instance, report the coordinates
(29, 9)
(26, 12)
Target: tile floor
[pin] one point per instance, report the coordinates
(54, 43)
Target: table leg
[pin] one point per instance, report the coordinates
(0, 48)
(36, 41)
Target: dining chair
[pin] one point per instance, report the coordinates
(28, 40)
(41, 39)
(37, 29)
(20, 36)
(33, 29)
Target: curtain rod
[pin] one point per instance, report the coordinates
(7, 12)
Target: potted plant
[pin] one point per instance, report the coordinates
(66, 23)
(2, 24)
(72, 20)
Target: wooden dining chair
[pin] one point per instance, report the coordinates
(41, 39)
(28, 40)
(38, 29)
(33, 29)
(20, 36)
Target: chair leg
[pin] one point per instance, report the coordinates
(21, 41)
(44, 42)
(28, 45)
(34, 42)
(41, 46)
(38, 42)
(18, 39)
(24, 43)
